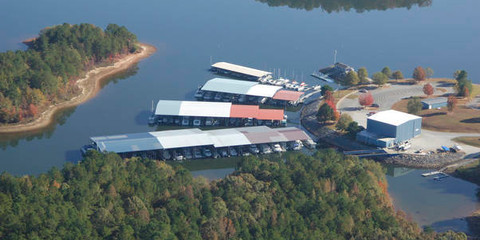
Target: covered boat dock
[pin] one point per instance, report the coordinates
(195, 143)
(191, 113)
(237, 91)
(235, 70)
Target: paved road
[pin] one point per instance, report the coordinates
(387, 96)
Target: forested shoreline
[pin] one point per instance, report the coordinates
(46, 72)
(324, 196)
(347, 5)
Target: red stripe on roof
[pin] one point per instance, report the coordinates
(287, 95)
(270, 114)
(253, 111)
(244, 111)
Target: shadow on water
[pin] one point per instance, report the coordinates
(330, 6)
(60, 117)
(455, 224)
(73, 156)
(142, 118)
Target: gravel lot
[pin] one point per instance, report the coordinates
(385, 97)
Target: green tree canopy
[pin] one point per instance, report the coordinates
(397, 75)
(380, 78)
(351, 79)
(387, 72)
(414, 106)
(363, 75)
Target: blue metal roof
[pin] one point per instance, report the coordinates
(127, 143)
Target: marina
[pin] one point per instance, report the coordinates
(191, 113)
(194, 143)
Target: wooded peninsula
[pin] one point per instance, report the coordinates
(48, 72)
(324, 196)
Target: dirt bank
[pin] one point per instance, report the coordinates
(89, 85)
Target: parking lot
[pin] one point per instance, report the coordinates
(387, 96)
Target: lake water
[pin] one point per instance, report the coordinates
(188, 34)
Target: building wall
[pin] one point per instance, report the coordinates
(409, 130)
(381, 129)
(434, 106)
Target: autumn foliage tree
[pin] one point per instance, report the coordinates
(451, 103)
(419, 74)
(428, 89)
(365, 99)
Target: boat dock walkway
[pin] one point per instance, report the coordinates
(322, 77)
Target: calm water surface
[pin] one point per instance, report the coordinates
(444, 36)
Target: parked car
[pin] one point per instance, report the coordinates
(166, 155)
(375, 105)
(363, 90)
(223, 152)
(277, 148)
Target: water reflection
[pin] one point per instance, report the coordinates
(348, 5)
(59, 119)
(398, 171)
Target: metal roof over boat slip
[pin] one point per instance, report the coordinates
(216, 109)
(240, 69)
(195, 138)
(240, 87)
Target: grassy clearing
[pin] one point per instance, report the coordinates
(353, 96)
(472, 141)
(462, 119)
(340, 94)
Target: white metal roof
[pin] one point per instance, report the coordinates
(393, 117)
(226, 85)
(228, 137)
(205, 109)
(241, 69)
(192, 108)
(240, 87)
(182, 138)
(263, 90)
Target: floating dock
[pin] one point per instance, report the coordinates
(161, 144)
(235, 70)
(322, 77)
(431, 173)
(191, 113)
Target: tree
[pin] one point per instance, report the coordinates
(365, 99)
(414, 106)
(387, 72)
(328, 97)
(32, 110)
(343, 122)
(351, 79)
(428, 89)
(363, 75)
(397, 75)
(325, 88)
(380, 78)
(325, 113)
(418, 74)
(451, 103)
(429, 72)
(353, 128)
(464, 86)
